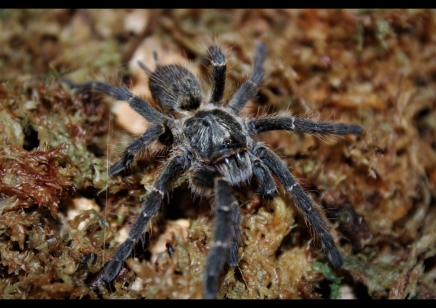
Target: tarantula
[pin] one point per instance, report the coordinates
(209, 140)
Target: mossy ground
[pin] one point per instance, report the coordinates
(62, 217)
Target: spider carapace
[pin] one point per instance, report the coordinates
(208, 139)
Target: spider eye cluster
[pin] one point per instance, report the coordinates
(228, 143)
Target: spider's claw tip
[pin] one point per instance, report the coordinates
(356, 130)
(335, 258)
(112, 269)
(210, 287)
(116, 168)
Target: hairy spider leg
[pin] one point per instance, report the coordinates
(153, 133)
(303, 125)
(249, 88)
(268, 187)
(159, 131)
(226, 235)
(219, 73)
(303, 202)
(149, 208)
(137, 103)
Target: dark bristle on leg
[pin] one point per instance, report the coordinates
(145, 68)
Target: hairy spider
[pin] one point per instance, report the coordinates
(211, 142)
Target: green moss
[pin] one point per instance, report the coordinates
(328, 273)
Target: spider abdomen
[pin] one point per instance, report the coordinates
(175, 88)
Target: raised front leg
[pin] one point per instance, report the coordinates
(149, 208)
(303, 202)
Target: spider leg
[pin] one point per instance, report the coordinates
(137, 103)
(226, 235)
(149, 208)
(203, 182)
(303, 202)
(156, 132)
(219, 73)
(268, 187)
(303, 125)
(249, 88)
